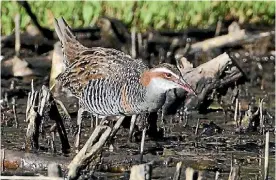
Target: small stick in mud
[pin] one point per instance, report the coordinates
(52, 138)
(140, 44)
(236, 112)
(218, 28)
(266, 155)
(261, 116)
(141, 172)
(197, 126)
(14, 112)
(239, 116)
(2, 158)
(217, 175)
(133, 43)
(234, 173)
(142, 144)
(6, 100)
(178, 171)
(185, 118)
(17, 34)
(12, 86)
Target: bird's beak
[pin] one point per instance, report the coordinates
(186, 86)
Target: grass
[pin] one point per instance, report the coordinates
(142, 14)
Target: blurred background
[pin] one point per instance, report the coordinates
(141, 14)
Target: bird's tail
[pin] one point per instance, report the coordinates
(70, 45)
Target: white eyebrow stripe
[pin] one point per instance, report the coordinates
(165, 70)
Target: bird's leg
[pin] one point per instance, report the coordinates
(103, 120)
(142, 144)
(97, 120)
(79, 119)
(132, 125)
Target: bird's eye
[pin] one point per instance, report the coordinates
(168, 75)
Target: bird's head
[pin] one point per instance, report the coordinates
(165, 77)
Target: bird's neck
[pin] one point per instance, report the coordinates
(155, 95)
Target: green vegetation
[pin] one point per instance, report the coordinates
(143, 14)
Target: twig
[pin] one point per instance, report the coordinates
(234, 173)
(133, 42)
(236, 112)
(217, 175)
(140, 45)
(178, 171)
(14, 112)
(186, 119)
(12, 86)
(266, 155)
(6, 99)
(17, 34)
(218, 28)
(2, 158)
(197, 126)
(53, 144)
(261, 116)
(239, 116)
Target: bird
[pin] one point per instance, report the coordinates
(108, 82)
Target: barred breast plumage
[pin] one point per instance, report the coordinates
(110, 82)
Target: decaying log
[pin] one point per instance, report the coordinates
(231, 39)
(19, 160)
(216, 73)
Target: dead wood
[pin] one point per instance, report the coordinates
(231, 39)
(19, 160)
(141, 172)
(216, 73)
(89, 154)
(40, 106)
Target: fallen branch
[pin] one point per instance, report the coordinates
(231, 39)
(216, 73)
(89, 153)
